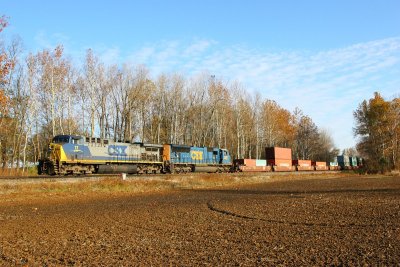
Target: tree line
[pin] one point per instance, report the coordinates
(377, 124)
(45, 94)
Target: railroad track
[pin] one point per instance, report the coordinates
(55, 177)
(74, 176)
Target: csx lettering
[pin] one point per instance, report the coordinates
(197, 155)
(116, 150)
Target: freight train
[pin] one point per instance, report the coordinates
(72, 154)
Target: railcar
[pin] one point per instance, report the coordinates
(181, 158)
(71, 154)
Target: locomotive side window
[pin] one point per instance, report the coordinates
(77, 141)
(87, 139)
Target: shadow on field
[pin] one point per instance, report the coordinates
(213, 208)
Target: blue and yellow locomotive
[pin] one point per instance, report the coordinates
(72, 154)
(181, 158)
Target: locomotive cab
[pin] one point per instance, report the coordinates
(66, 147)
(225, 158)
(56, 153)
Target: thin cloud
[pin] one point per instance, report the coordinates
(110, 55)
(197, 48)
(327, 85)
(46, 41)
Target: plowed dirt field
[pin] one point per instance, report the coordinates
(287, 222)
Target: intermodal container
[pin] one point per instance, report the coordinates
(278, 153)
(301, 162)
(282, 169)
(280, 162)
(304, 168)
(255, 168)
(333, 166)
(353, 161)
(245, 162)
(320, 165)
(344, 162)
(302, 165)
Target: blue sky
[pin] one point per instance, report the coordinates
(324, 57)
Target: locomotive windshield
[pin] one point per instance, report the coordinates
(60, 139)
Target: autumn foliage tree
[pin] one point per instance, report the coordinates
(378, 128)
(5, 63)
(5, 66)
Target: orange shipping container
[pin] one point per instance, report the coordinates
(304, 168)
(283, 169)
(255, 168)
(303, 163)
(319, 163)
(321, 168)
(245, 162)
(278, 153)
(280, 162)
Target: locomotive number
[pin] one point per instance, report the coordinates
(197, 155)
(76, 149)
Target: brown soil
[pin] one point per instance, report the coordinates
(335, 221)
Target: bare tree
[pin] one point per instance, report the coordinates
(91, 71)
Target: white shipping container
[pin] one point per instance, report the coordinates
(261, 162)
